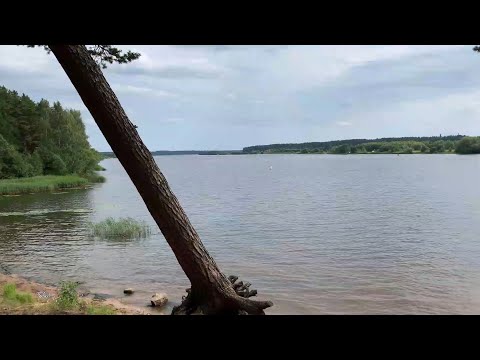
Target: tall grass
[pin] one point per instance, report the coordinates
(95, 178)
(68, 301)
(67, 296)
(40, 184)
(123, 228)
(11, 294)
(100, 310)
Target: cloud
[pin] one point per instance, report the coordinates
(171, 72)
(268, 48)
(25, 61)
(450, 114)
(138, 90)
(237, 95)
(74, 105)
(171, 63)
(173, 120)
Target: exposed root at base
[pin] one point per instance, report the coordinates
(236, 305)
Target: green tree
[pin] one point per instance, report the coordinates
(47, 140)
(12, 163)
(468, 145)
(449, 145)
(360, 149)
(424, 148)
(437, 146)
(341, 149)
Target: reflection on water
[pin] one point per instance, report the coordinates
(315, 234)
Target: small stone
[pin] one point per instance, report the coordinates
(128, 291)
(158, 300)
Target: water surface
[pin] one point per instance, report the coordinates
(316, 234)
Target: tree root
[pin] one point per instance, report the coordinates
(239, 304)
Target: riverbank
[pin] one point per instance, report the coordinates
(24, 297)
(45, 183)
(350, 153)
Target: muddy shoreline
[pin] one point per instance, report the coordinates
(45, 293)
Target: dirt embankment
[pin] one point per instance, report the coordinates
(43, 295)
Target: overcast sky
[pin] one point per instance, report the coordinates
(227, 97)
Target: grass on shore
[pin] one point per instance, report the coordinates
(95, 178)
(46, 183)
(40, 184)
(14, 297)
(123, 228)
(99, 168)
(99, 310)
(67, 302)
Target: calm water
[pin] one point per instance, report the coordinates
(316, 234)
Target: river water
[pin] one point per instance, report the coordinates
(316, 234)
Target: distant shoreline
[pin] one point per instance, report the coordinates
(449, 144)
(297, 153)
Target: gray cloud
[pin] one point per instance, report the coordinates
(169, 72)
(229, 96)
(268, 48)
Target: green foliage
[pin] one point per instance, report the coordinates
(357, 146)
(40, 183)
(53, 164)
(12, 163)
(95, 178)
(359, 149)
(39, 139)
(100, 310)
(67, 296)
(35, 163)
(104, 54)
(123, 228)
(341, 149)
(11, 295)
(468, 145)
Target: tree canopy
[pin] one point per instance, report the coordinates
(105, 54)
(468, 145)
(39, 139)
(433, 144)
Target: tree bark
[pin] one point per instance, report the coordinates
(211, 292)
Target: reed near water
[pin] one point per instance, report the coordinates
(122, 228)
(40, 184)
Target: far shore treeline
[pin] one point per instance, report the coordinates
(450, 144)
(38, 139)
(460, 144)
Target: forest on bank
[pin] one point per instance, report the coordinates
(460, 144)
(39, 139)
(451, 144)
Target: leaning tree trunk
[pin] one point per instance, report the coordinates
(211, 292)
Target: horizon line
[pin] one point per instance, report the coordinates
(304, 142)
